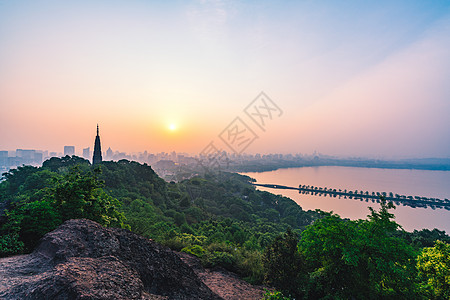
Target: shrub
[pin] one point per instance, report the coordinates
(249, 264)
(284, 265)
(194, 250)
(174, 244)
(10, 245)
(220, 259)
(275, 295)
(433, 264)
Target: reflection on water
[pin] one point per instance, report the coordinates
(403, 182)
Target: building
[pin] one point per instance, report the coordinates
(87, 152)
(3, 158)
(38, 158)
(25, 156)
(109, 154)
(165, 164)
(69, 150)
(97, 158)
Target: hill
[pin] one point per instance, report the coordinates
(83, 260)
(221, 218)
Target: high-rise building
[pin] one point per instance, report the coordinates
(69, 150)
(97, 150)
(25, 154)
(87, 152)
(3, 158)
(3, 154)
(38, 158)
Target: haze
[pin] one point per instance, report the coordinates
(352, 77)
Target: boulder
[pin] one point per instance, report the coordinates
(83, 260)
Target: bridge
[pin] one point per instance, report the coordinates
(412, 201)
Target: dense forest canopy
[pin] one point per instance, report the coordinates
(224, 220)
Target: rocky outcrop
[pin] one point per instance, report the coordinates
(222, 282)
(83, 260)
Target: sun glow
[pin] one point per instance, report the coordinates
(172, 127)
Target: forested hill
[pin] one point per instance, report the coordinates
(224, 221)
(217, 213)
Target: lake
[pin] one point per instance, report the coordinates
(404, 182)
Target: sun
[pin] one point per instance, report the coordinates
(172, 127)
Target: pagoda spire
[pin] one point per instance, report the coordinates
(97, 150)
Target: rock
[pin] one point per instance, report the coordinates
(222, 282)
(83, 260)
(88, 278)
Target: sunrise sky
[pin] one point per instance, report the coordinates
(364, 78)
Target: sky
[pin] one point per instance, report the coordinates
(344, 78)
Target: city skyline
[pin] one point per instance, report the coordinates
(349, 79)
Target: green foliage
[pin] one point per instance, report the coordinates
(219, 258)
(330, 250)
(10, 244)
(178, 241)
(249, 264)
(161, 231)
(79, 195)
(387, 259)
(359, 259)
(185, 202)
(194, 250)
(38, 200)
(224, 210)
(231, 196)
(225, 221)
(63, 164)
(433, 264)
(179, 218)
(35, 219)
(284, 266)
(275, 295)
(134, 181)
(14, 179)
(424, 237)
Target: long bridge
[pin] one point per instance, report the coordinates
(413, 201)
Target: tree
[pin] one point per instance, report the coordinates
(28, 216)
(79, 195)
(433, 264)
(185, 202)
(358, 259)
(36, 219)
(41, 200)
(10, 244)
(387, 259)
(56, 164)
(283, 265)
(331, 249)
(14, 179)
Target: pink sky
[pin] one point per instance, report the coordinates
(351, 79)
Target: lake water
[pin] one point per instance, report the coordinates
(434, 184)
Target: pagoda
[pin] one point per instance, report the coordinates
(97, 150)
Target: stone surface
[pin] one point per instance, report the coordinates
(222, 282)
(83, 260)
